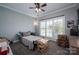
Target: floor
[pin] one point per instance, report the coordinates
(19, 49)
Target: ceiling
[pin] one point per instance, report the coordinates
(24, 7)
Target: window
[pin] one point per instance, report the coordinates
(42, 28)
(49, 28)
(52, 27)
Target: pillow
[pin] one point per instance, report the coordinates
(21, 33)
(25, 33)
(29, 33)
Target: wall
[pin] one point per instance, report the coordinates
(70, 14)
(12, 22)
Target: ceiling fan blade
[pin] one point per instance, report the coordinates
(37, 5)
(32, 7)
(44, 5)
(43, 10)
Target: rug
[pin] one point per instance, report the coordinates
(19, 49)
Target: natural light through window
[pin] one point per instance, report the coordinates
(52, 27)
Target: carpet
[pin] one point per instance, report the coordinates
(19, 49)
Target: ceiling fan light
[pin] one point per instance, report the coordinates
(36, 9)
(39, 9)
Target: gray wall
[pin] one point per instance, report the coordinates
(12, 22)
(70, 14)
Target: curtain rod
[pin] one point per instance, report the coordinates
(51, 17)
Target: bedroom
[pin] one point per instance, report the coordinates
(23, 27)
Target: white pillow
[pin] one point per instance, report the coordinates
(3, 45)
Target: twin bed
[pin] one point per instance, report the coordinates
(28, 40)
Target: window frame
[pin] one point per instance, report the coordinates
(53, 23)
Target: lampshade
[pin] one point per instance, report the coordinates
(35, 23)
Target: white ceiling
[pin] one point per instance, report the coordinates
(24, 7)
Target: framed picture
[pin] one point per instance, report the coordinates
(70, 23)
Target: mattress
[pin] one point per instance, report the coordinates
(28, 40)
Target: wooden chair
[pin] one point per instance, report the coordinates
(63, 41)
(42, 47)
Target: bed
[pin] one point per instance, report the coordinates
(28, 40)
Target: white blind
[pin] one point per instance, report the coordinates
(52, 27)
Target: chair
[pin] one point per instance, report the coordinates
(63, 41)
(42, 47)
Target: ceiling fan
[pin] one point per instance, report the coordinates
(38, 7)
